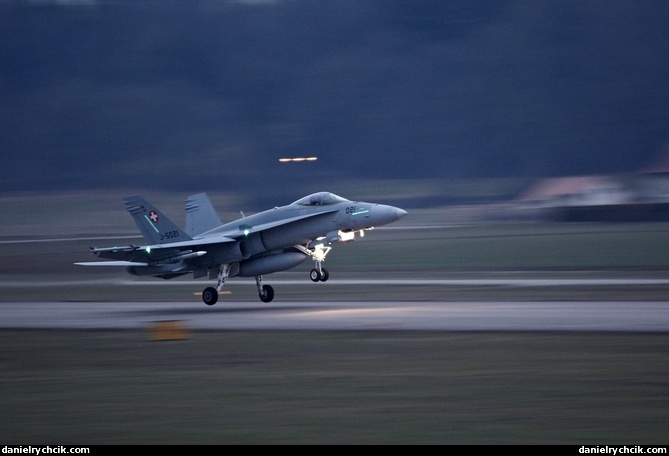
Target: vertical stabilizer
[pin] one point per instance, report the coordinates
(200, 215)
(153, 224)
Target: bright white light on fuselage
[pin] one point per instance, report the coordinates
(346, 236)
(297, 159)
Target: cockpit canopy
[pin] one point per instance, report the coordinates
(320, 199)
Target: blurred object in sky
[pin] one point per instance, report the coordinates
(193, 96)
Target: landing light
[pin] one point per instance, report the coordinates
(297, 159)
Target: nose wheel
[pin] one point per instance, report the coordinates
(319, 275)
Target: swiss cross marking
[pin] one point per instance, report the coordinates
(153, 216)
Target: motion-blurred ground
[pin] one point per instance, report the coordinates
(83, 387)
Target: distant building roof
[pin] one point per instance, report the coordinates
(561, 187)
(660, 165)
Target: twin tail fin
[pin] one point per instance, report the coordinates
(153, 224)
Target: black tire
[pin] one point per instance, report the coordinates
(267, 293)
(325, 275)
(314, 275)
(210, 296)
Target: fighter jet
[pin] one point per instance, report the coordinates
(274, 240)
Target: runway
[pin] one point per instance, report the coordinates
(382, 315)
(508, 300)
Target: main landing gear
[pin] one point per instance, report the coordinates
(210, 294)
(266, 292)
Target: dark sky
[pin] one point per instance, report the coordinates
(207, 95)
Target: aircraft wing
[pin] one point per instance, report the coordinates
(111, 263)
(141, 255)
(133, 255)
(203, 242)
(267, 226)
(244, 230)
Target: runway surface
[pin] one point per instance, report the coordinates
(382, 315)
(616, 300)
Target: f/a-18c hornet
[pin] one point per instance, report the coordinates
(270, 241)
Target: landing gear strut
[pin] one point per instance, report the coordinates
(210, 294)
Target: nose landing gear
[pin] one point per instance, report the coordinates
(318, 254)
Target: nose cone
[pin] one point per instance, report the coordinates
(387, 214)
